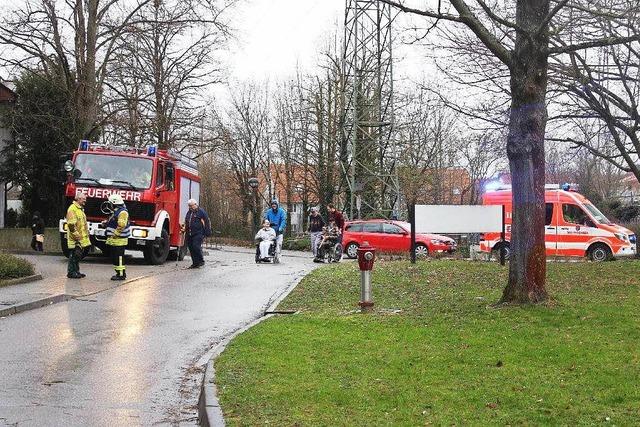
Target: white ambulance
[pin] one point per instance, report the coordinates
(574, 227)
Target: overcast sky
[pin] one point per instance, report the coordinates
(275, 35)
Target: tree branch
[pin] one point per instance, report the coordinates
(606, 41)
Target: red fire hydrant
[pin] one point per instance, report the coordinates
(366, 257)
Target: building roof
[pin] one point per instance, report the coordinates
(279, 183)
(630, 179)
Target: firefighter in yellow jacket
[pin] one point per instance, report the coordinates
(78, 241)
(118, 231)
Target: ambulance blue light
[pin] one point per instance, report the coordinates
(566, 186)
(84, 145)
(152, 150)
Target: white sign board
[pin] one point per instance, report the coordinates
(457, 219)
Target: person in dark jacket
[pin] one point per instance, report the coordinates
(337, 217)
(37, 232)
(197, 227)
(315, 229)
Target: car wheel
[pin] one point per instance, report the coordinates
(600, 252)
(352, 250)
(421, 251)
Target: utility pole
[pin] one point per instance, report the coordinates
(368, 111)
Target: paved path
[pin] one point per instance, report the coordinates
(98, 269)
(131, 355)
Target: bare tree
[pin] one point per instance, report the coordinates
(600, 88)
(290, 134)
(319, 106)
(425, 132)
(74, 40)
(480, 154)
(519, 38)
(170, 54)
(247, 139)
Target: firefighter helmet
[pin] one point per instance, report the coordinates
(116, 199)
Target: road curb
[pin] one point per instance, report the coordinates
(31, 305)
(28, 252)
(209, 410)
(21, 280)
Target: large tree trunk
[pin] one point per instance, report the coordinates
(525, 150)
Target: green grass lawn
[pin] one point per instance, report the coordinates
(435, 351)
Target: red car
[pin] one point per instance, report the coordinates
(392, 236)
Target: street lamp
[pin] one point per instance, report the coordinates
(253, 183)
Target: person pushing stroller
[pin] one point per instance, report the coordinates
(278, 219)
(330, 238)
(265, 238)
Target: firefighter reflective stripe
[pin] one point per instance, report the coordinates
(118, 229)
(118, 225)
(120, 267)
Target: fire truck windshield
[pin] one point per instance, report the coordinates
(105, 170)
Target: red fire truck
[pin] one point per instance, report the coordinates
(155, 184)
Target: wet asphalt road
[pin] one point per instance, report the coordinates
(132, 355)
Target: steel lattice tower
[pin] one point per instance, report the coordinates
(369, 159)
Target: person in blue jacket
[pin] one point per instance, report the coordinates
(278, 219)
(197, 227)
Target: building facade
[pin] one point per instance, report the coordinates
(7, 98)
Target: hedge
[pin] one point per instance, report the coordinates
(12, 267)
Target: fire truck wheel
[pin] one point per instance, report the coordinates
(421, 251)
(599, 252)
(157, 252)
(178, 254)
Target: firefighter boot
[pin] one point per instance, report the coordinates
(120, 275)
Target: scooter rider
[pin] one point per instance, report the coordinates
(278, 219)
(118, 232)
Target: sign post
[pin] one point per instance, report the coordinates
(502, 233)
(412, 220)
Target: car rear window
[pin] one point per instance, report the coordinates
(354, 228)
(392, 229)
(371, 227)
